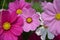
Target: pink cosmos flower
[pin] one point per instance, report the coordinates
(44, 3)
(11, 26)
(51, 16)
(31, 20)
(18, 6)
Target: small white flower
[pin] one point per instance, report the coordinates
(43, 32)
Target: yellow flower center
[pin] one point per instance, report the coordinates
(57, 16)
(19, 11)
(29, 20)
(6, 26)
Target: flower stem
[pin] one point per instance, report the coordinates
(3, 4)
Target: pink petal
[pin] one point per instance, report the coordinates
(17, 26)
(27, 5)
(35, 24)
(16, 30)
(13, 6)
(36, 16)
(47, 17)
(51, 25)
(57, 5)
(13, 17)
(54, 27)
(57, 27)
(50, 7)
(28, 12)
(21, 3)
(1, 31)
(19, 21)
(44, 3)
(5, 16)
(8, 36)
(50, 13)
(22, 0)
(26, 27)
(31, 11)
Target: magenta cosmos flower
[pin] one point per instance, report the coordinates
(31, 20)
(18, 6)
(11, 26)
(51, 16)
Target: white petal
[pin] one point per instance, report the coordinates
(50, 35)
(43, 36)
(40, 31)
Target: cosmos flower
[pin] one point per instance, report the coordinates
(31, 19)
(43, 32)
(44, 3)
(51, 16)
(18, 6)
(11, 26)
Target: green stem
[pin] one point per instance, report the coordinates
(3, 4)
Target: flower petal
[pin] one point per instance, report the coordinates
(39, 31)
(13, 17)
(36, 16)
(13, 6)
(19, 21)
(26, 27)
(46, 18)
(10, 36)
(57, 5)
(17, 26)
(50, 7)
(21, 3)
(28, 12)
(16, 30)
(1, 31)
(55, 27)
(43, 36)
(5, 16)
(50, 35)
(35, 24)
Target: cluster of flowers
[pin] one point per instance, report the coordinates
(20, 16)
(51, 20)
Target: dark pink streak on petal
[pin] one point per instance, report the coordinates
(5, 16)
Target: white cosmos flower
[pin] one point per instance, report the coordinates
(43, 32)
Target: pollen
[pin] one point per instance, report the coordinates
(57, 16)
(6, 26)
(29, 20)
(19, 11)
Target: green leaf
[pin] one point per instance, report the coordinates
(1, 2)
(49, 0)
(5, 4)
(28, 0)
(37, 7)
(26, 35)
